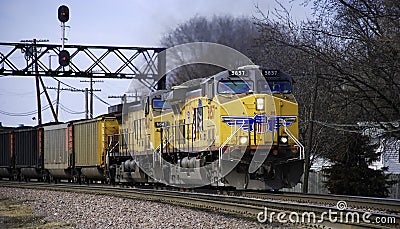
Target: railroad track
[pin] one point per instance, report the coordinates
(303, 213)
(384, 205)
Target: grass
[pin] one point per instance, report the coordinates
(14, 214)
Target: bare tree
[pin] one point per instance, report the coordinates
(364, 43)
(346, 61)
(236, 33)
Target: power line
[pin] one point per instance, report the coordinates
(68, 110)
(28, 113)
(101, 100)
(65, 84)
(86, 91)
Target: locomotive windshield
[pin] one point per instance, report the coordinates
(160, 104)
(234, 86)
(283, 87)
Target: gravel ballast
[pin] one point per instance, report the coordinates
(78, 210)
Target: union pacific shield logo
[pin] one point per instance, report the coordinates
(260, 123)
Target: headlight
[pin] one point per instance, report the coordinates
(283, 139)
(260, 103)
(243, 140)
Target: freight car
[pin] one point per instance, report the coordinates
(27, 145)
(58, 151)
(91, 147)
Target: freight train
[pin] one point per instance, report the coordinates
(236, 129)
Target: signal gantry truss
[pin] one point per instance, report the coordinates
(141, 63)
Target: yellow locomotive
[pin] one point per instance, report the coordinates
(236, 129)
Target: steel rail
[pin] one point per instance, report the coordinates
(356, 202)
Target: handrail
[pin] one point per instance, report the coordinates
(226, 142)
(287, 131)
(154, 152)
(159, 147)
(116, 144)
(110, 148)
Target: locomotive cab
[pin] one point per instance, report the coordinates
(268, 126)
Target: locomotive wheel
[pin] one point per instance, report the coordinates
(82, 179)
(15, 176)
(45, 177)
(75, 179)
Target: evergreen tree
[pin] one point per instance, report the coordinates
(350, 175)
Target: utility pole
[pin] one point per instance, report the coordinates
(91, 97)
(75, 90)
(86, 103)
(58, 97)
(91, 82)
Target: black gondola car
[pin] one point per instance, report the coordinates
(27, 145)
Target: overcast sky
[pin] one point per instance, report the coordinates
(100, 22)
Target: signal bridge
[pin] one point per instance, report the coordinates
(141, 63)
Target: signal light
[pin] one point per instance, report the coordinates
(63, 13)
(64, 58)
